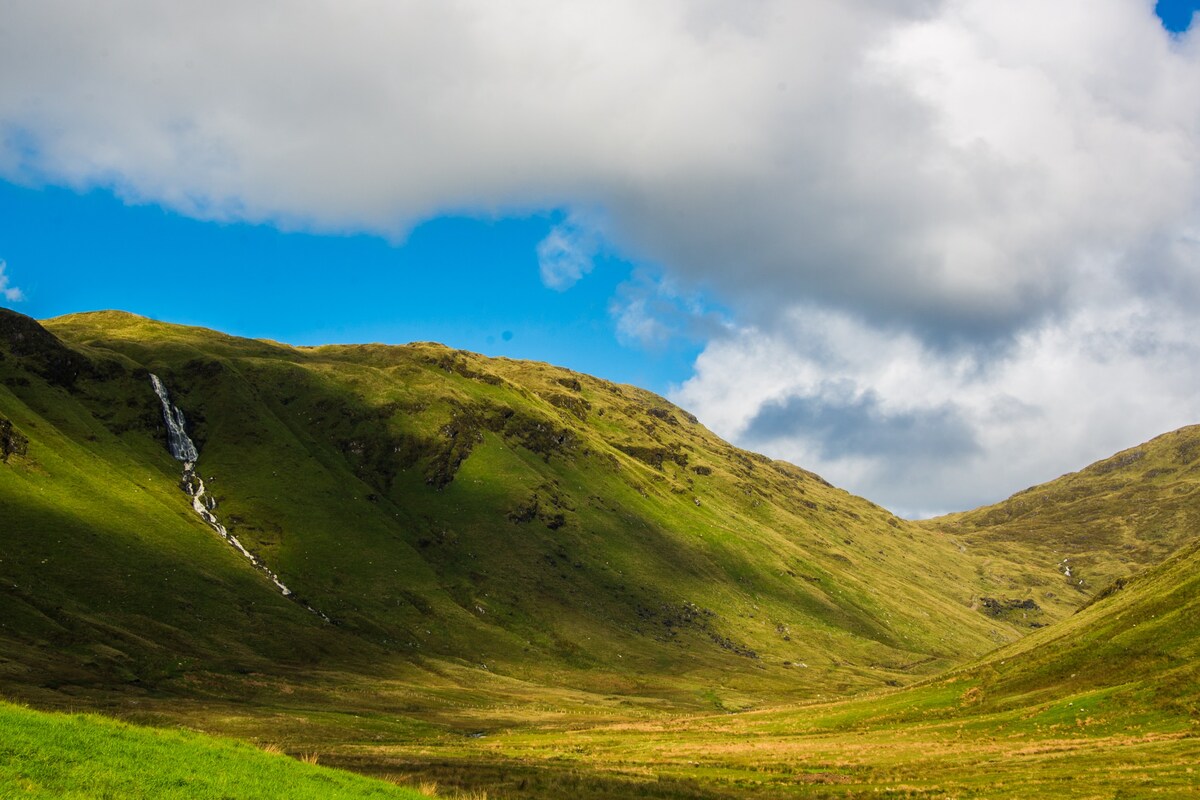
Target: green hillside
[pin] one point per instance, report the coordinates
(434, 504)
(82, 757)
(107, 578)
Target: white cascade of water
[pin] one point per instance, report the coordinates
(184, 449)
(178, 442)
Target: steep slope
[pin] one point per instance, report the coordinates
(1095, 526)
(1103, 703)
(432, 503)
(106, 577)
(1135, 650)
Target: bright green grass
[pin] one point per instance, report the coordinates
(81, 756)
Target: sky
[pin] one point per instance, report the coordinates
(935, 250)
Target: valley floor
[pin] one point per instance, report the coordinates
(937, 740)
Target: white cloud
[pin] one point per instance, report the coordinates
(637, 324)
(567, 253)
(651, 310)
(923, 431)
(948, 165)
(10, 293)
(953, 189)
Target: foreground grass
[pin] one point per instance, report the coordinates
(1118, 742)
(83, 756)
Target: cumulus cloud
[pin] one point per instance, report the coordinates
(949, 165)
(974, 188)
(923, 430)
(567, 253)
(10, 293)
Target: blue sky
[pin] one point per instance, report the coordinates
(935, 251)
(1176, 15)
(469, 283)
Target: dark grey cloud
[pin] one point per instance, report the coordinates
(840, 425)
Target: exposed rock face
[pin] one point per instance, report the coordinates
(1018, 612)
(994, 608)
(11, 441)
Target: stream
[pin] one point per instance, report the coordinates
(183, 449)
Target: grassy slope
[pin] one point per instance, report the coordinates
(106, 577)
(1107, 521)
(547, 525)
(66, 757)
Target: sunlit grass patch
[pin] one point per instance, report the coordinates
(82, 756)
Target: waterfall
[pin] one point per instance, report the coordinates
(178, 442)
(184, 449)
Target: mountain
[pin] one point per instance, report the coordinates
(503, 575)
(424, 503)
(1093, 527)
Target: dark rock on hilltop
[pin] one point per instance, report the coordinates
(41, 350)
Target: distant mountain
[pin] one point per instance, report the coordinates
(1139, 637)
(424, 503)
(1093, 527)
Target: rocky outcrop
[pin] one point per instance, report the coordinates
(41, 350)
(11, 441)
